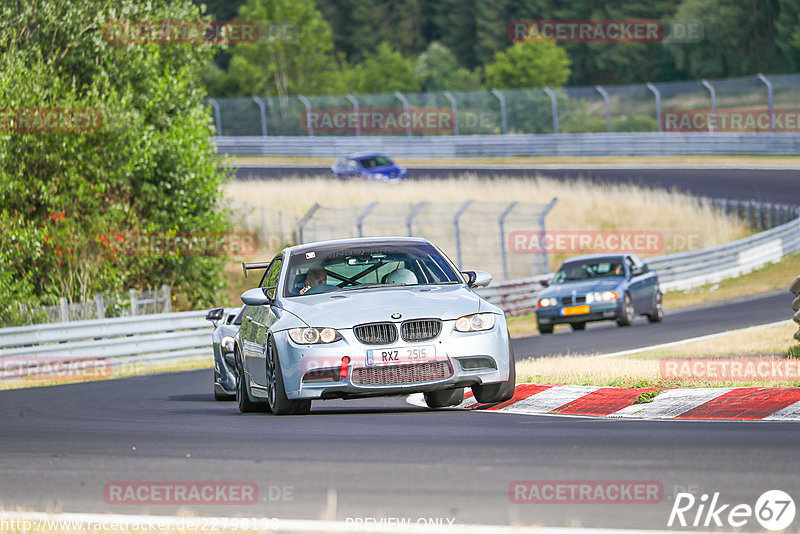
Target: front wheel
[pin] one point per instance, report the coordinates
(657, 315)
(544, 328)
(578, 326)
(625, 317)
(279, 403)
(447, 397)
(491, 393)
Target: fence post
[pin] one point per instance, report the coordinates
(554, 107)
(263, 111)
(656, 92)
(458, 214)
(769, 101)
(414, 212)
(454, 106)
(165, 293)
(362, 216)
(501, 222)
(608, 110)
(543, 235)
(100, 306)
(401, 97)
(503, 117)
(302, 222)
(353, 100)
(307, 103)
(264, 223)
(217, 116)
(63, 309)
(134, 304)
(711, 90)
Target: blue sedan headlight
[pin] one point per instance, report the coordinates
(545, 302)
(601, 296)
(475, 322)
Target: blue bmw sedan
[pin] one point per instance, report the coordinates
(597, 288)
(371, 166)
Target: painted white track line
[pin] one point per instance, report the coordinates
(685, 341)
(44, 522)
(671, 403)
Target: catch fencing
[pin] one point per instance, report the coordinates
(133, 304)
(770, 102)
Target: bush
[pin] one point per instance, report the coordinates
(635, 123)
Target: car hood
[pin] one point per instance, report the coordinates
(344, 309)
(582, 287)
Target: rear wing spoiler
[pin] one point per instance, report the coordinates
(254, 266)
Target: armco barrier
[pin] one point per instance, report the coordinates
(119, 341)
(795, 289)
(471, 146)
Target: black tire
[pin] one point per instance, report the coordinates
(223, 396)
(279, 403)
(625, 317)
(578, 326)
(491, 393)
(544, 328)
(657, 315)
(242, 398)
(447, 397)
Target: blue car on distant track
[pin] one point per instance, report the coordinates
(372, 166)
(597, 288)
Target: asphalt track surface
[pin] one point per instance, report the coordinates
(779, 185)
(383, 458)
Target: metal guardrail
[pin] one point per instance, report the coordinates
(106, 343)
(472, 146)
(795, 289)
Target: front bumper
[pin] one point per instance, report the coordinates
(456, 350)
(598, 311)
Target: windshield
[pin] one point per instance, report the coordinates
(334, 268)
(589, 269)
(375, 161)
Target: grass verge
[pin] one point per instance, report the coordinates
(647, 368)
(120, 372)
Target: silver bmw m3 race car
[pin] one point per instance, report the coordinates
(369, 317)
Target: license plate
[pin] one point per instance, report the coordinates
(422, 353)
(574, 310)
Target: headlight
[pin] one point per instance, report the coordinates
(227, 344)
(547, 302)
(311, 336)
(603, 296)
(475, 322)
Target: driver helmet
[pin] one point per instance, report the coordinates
(401, 276)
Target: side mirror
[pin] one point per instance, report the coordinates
(214, 315)
(545, 283)
(477, 278)
(636, 271)
(257, 296)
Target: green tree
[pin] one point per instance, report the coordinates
(535, 63)
(71, 199)
(382, 72)
(303, 61)
(437, 69)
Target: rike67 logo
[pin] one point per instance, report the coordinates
(774, 510)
